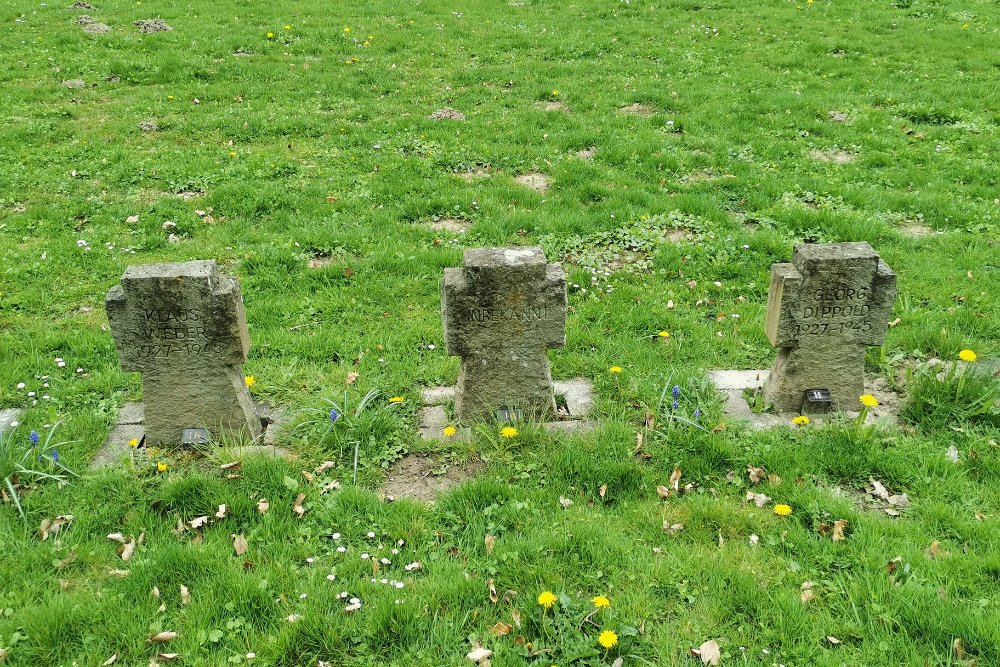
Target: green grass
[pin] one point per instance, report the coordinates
(295, 154)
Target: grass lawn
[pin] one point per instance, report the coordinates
(680, 148)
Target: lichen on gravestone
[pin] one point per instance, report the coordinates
(183, 326)
(824, 308)
(502, 311)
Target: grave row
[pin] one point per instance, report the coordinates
(183, 327)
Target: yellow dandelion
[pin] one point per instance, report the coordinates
(555, 93)
(346, 30)
(664, 334)
(508, 432)
(249, 380)
(615, 369)
(133, 443)
(968, 355)
(170, 97)
(600, 602)
(371, 37)
(449, 431)
(782, 510)
(868, 400)
(547, 599)
(288, 27)
(397, 399)
(801, 420)
(608, 639)
(232, 153)
(161, 466)
(270, 35)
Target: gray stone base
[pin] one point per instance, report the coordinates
(130, 425)
(579, 400)
(732, 384)
(9, 416)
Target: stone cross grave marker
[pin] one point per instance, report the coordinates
(182, 325)
(823, 309)
(502, 311)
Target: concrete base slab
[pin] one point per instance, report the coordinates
(129, 426)
(732, 384)
(577, 395)
(9, 418)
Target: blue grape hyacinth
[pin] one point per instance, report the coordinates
(33, 437)
(334, 415)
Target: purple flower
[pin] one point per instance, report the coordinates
(334, 415)
(697, 413)
(675, 406)
(55, 456)
(676, 391)
(33, 437)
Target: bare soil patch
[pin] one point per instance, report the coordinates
(587, 153)
(74, 83)
(423, 477)
(831, 155)
(551, 106)
(146, 26)
(534, 180)
(92, 27)
(916, 230)
(838, 117)
(637, 110)
(453, 225)
(447, 113)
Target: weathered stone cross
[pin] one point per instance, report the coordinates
(823, 309)
(182, 325)
(502, 310)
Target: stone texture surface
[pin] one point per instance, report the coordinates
(579, 395)
(501, 311)
(823, 309)
(182, 325)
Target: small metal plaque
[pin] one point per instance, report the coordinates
(195, 436)
(510, 415)
(817, 401)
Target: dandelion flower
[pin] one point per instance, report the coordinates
(449, 431)
(270, 35)
(161, 466)
(868, 400)
(555, 93)
(664, 334)
(170, 97)
(600, 602)
(615, 369)
(608, 639)
(508, 432)
(782, 510)
(249, 380)
(801, 420)
(133, 443)
(288, 27)
(546, 599)
(397, 399)
(967, 355)
(232, 153)
(346, 29)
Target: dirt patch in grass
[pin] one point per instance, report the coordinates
(320, 260)
(146, 26)
(424, 478)
(916, 230)
(82, 5)
(474, 174)
(453, 225)
(148, 126)
(447, 113)
(637, 110)
(534, 180)
(587, 153)
(831, 155)
(551, 106)
(75, 83)
(92, 27)
(838, 117)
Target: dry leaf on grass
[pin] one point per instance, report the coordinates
(709, 653)
(952, 454)
(673, 528)
(167, 657)
(198, 522)
(164, 636)
(324, 466)
(756, 475)
(759, 499)
(565, 502)
(240, 544)
(352, 377)
(489, 541)
(493, 592)
(297, 507)
(52, 527)
(111, 660)
(185, 595)
(117, 537)
(127, 550)
(935, 550)
(833, 641)
(221, 513)
(807, 593)
(263, 506)
(479, 655)
(838, 530)
(501, 629)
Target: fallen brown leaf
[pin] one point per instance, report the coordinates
(603, 490)
(324, 466)
(298, 507)
(185, 595)
(164, 636)
(838, 530)
(759, 499)
(756, 475)
(490, 542)
(198, 522)
(263, 506)
(52, 527)
(516, 615)
(501, 629)
(240, 544)
(352, 377)
(709, 653)
(833, 641)
(807, 593)
(127, 550)
(111, 660)
(493, 592)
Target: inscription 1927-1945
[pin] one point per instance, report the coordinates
(835, 311)
(167, 326)
(500, 313)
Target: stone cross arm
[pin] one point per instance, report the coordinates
(179, 315)
(840, 291)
